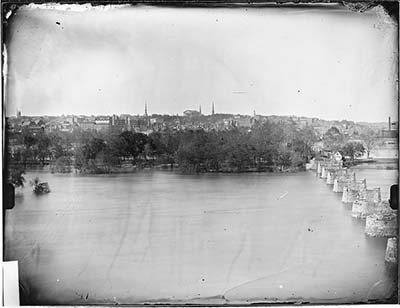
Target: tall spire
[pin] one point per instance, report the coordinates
(213, 112)
(145, 109)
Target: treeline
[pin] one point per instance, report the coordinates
(267, 147)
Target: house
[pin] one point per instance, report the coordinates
(33, 126)
(337, 156)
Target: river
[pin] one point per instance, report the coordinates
(160, 236)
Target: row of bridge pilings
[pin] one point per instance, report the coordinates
(367, 204)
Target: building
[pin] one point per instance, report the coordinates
(33, 126)
(337, 156)
(388, 147)
(120, 123)
(242, 121)
(102, 123)
(304, 122)
(191, 113)
(87, 125)
(392, 131)
(59, 125)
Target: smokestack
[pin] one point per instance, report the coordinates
(390, 124)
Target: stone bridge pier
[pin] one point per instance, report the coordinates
(383, 222)
(391, 253)
(367, 204)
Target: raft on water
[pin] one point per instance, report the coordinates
(41, 188)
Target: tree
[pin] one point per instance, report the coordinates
(79, 158)
(333, 139)
(353, 149)
(85, 155)
(240, 153)
(60, 145)
(170, 141)
(303, 142)
(62, 164)
(29, 141)
(215, 151)
(107, 158)
(93, 147)
(370, 139)
(16, 177)
(266, 140)
(164, 145)
(135, 143)
(285, 158)
(43, 147)
(191, 151)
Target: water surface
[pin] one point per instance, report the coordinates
(211, 238)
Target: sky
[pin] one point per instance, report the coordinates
(329, 63)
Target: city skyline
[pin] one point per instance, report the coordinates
(325, 63)
(150, 114)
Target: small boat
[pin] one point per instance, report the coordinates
(41, 188)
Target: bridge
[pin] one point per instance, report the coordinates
(367, 204)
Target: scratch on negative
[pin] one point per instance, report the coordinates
(243, 241)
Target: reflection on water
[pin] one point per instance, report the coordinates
(227, 238)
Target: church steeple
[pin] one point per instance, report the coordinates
(145, 109)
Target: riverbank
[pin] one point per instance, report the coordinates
(134, 168)
(128, 167)
(386, 164)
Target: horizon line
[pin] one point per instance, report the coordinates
(221, 113)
